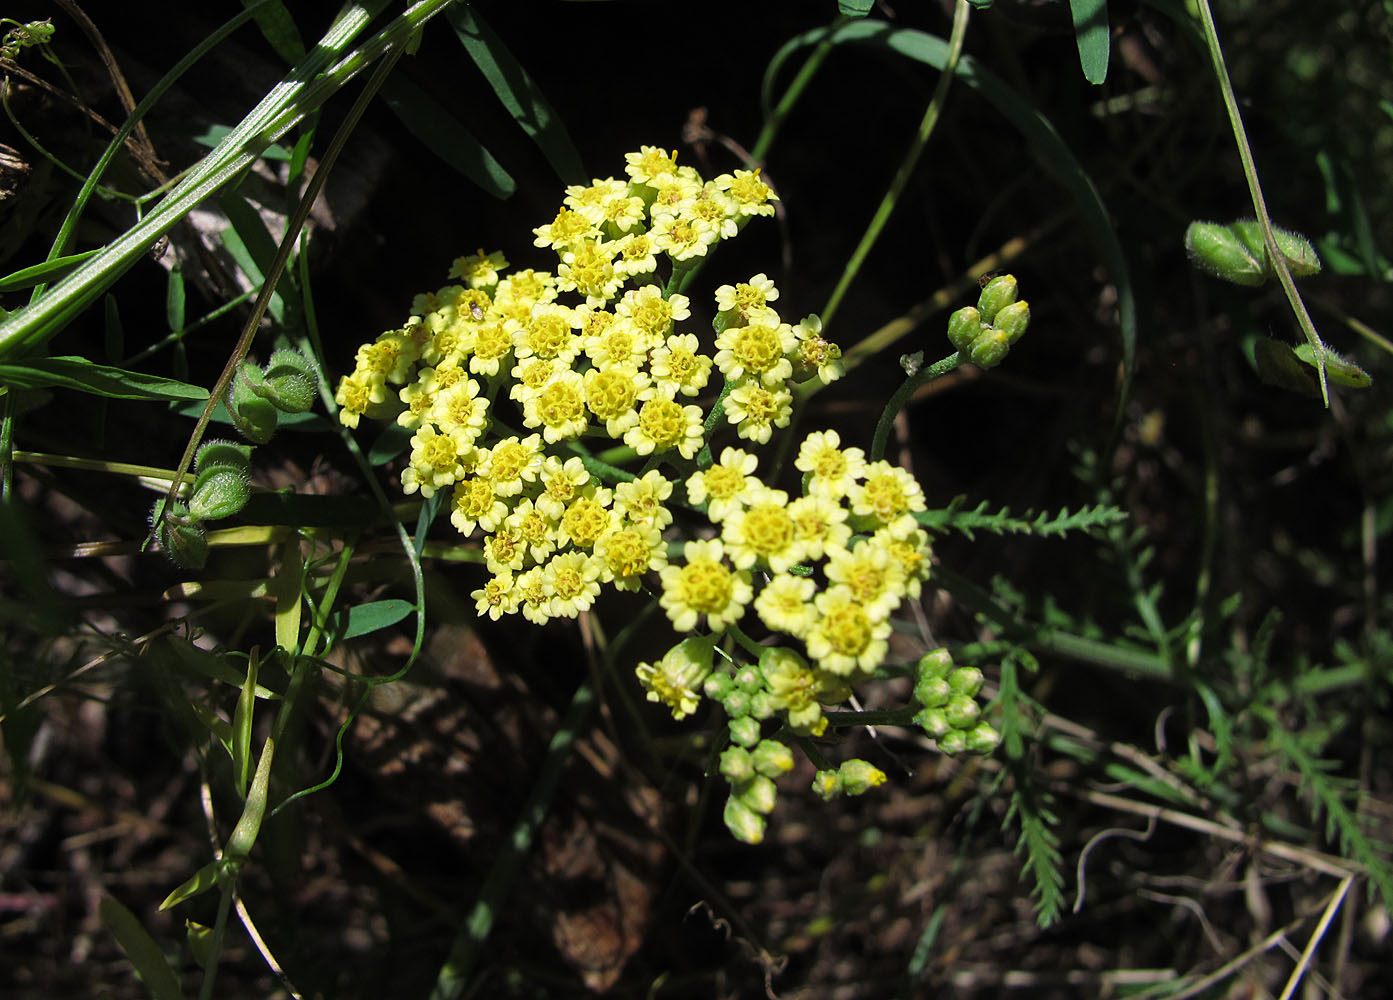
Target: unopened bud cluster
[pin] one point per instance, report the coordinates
(951, 713)
(1237, 252)
(984, 333)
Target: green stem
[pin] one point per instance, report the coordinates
(897, 402)
(907, 166)
(219, 933)
(775, 119)
(1250, 173)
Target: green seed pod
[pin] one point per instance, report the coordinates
(982, 738)
(253, 415)
(934, 664)
(1219, 251)
(1301, 256)
(989, 350)
(1013, 319)
(859, 776)
(965, 681)
(743, 822)
(772, 758)
(219, 492)
(180, 535)
(996, 295)
(964, 326)
(759, 793)
(224, 455)
(291, 379)
(962, 712)
(744, 731)
(736, 764)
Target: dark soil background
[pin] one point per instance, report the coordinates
(635, 888)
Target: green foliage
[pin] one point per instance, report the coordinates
(955, 518)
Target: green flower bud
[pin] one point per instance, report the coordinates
(761, 705)
(982, 738)
(748, 679)
(744, 731)
(1012, 320)
(965, 681)
(219, 492)
(718, 686)
(964, 326)
(952, 742)
(988, 350)
(772, 758)
(759, 793)
(996, 295)
(224, 455)
(737, 765)
(743, 822)
(933, 692)
(736, 704)
(858, 776)
(251, 413)
(962, 713)
(291, 381)
(933, 721)
(827, 784)
(934, 663)
(1217, 250)
(180, 534)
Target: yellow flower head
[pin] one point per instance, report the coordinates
(727, 486)
(704, 587)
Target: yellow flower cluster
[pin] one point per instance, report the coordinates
(501, 375)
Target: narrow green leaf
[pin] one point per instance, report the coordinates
(1091, 33)
(855, 8)
(141, 949)
(99, 380)
(239, 844)
(278, 28)
(214, 134)
(48, 270)
(174, 300)
(202, 880)
(365, 618)
(444, 135)
(517, 92)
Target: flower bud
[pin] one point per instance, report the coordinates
(964, 326)
(933, 721)
(718, 686)
(225, 455)
(219, 492)
(761, 705)
(935, 663)
(933, 692)
(982, 738)
(748, 679)
(858, 776)
(743, 822)
(1013, 319)
(1300, 255)
(965, 681)
(1217, 250)
(996, 295)
(737, 765)
(759, 793)
(988, 350)
(772, 758)
(827, 784)
(290, 379)
(744, 731)
(952, 742)
(962, 713)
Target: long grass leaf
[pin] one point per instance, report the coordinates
(445, 136)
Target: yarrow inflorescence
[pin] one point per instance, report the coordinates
(569, 417)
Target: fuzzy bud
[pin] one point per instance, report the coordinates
(744, 731)
(737, 765)
(996, 295)
(1217, 250)
(1012, 320)
(291, 381)
(858, 776)
(772, 758)
(989, 350)
(219, 492)
(743, 822)
(252, 414)
(964, 326)
(180, 535)
(759, 793)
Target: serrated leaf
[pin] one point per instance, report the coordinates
(97, 380)
(141, 949)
